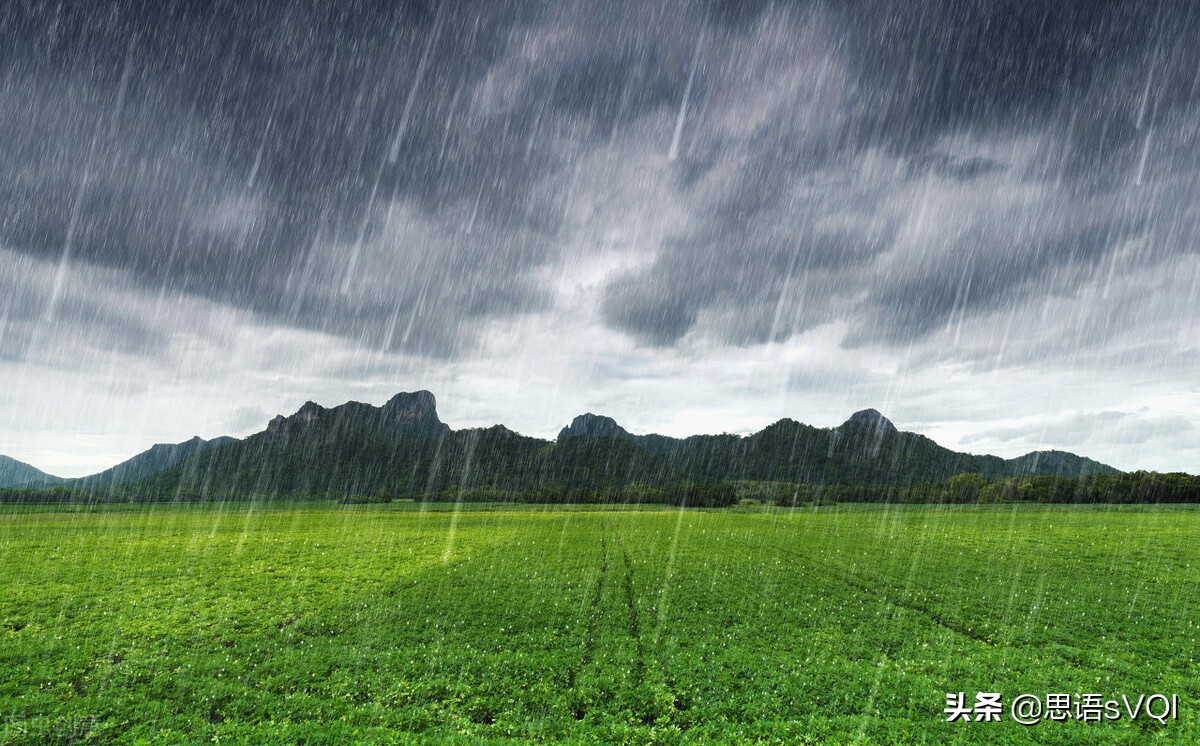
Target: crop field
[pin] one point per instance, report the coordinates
(315, 623)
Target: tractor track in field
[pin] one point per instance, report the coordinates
(632, 624)
(635, 632)
(662, 663)
(857, 583)
(639, 662)
(589, 635)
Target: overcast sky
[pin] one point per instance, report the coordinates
(979, 218)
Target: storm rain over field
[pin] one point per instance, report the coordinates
(676, 372)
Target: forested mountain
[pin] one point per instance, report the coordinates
(151, 461)
(15, 473)
(403, 449)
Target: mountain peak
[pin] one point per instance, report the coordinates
(1059, 463)
(871, 418)
(193, 442)
(595, 425)
(414, 413)
(310, 411)
(414, 406)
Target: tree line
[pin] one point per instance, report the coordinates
(1139, 487)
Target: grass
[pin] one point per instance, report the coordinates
(312, 623)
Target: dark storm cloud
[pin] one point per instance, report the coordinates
(256, 155)
(1102, 96)
(961, 169)
(214, 151)
(32, 303)
(400, 173)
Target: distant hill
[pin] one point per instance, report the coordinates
(15, 473)
(1058, 464)
(599, 426)
(404, 449)
(866, 449)
(151, 461)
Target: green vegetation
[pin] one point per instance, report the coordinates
(1138, 487)
(1118, 489)
(412, 622)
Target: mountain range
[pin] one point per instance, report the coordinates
(404, 449)
(159, 456)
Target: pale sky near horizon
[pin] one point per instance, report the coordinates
(695, 217)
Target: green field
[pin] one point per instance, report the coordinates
(394, 624)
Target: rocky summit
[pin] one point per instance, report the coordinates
(407, 414)
(872, 419)
(595, 426)
(413, 408)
